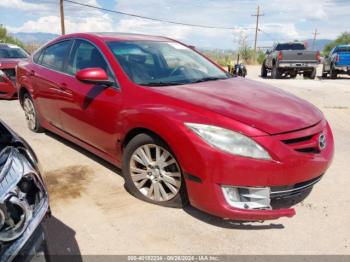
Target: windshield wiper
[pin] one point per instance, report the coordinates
(161, 84)
(205, 79)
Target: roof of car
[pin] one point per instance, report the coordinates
(6, 45)
(110, 36)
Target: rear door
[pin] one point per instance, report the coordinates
(90, 112)
(46, 75)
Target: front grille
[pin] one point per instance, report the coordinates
(291, 190)
(288, 196)
(306, 144)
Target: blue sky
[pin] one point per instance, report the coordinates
(282, 20)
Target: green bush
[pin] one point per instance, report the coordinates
(5, 38)
(343, 39)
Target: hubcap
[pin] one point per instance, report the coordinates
(155, 172)
(29, 112)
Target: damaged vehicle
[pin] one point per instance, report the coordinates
(180, 127)
(10, 56)
(23, 199)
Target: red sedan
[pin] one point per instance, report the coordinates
(10, 55)
(180, 127)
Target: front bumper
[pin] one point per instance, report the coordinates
(23, 197)
(296, 165)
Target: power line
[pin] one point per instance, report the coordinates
(150, 18)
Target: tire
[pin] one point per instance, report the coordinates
(275, 74)
(293, 75)
(333, 73)
(31, 115)
(150, 180)
(263, 70)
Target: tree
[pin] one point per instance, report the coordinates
(6, 38)
(343, 39)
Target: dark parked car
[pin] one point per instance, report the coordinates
(290, 59)
(23, 198)
(337, 62)
(179, 126)
(10, 55)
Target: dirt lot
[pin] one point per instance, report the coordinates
(93, 214)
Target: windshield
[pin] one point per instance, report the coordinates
(12, 52)
(294, 46)
(163, 63)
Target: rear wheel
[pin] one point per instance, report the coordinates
(263, 70)
(333, 73)
(31, 114)
(275, 74)
(152, 172)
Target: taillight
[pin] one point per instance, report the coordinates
(280, 55)
(318, 56)
(337, 58)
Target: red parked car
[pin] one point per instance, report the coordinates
(179, 126)
(10, 55)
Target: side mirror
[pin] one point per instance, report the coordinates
(93, 76)
(268, 52)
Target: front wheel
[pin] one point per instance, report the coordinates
(152, 172)
(31, 114)
(263, 70)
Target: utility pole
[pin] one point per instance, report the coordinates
(63, 30)
(257, 26)
(314, 41)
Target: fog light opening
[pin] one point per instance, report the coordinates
(247, 197)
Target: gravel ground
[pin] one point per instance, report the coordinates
(93, 213)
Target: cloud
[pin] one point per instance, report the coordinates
(287, 20)
(22, 5)
(52, 24)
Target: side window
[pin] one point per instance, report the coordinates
(85, 55)
(36, 56)
(54, 55)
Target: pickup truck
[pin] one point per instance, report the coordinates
(337, 62)
(290, 59)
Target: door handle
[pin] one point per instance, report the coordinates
(63, 86)
(31, 73)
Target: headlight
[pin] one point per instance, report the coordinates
(229, 141)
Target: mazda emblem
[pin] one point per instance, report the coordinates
(322, 141)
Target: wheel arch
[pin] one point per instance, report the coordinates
(21, 92)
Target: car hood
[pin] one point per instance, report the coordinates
(267, 108)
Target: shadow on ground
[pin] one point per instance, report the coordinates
(230, 224)
(83, 151)
(60, 241)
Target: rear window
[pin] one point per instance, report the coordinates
(290, 46)
(343, 49)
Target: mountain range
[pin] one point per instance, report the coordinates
(41, 38)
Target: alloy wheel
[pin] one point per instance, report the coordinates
(155, 172)
(29, 112)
